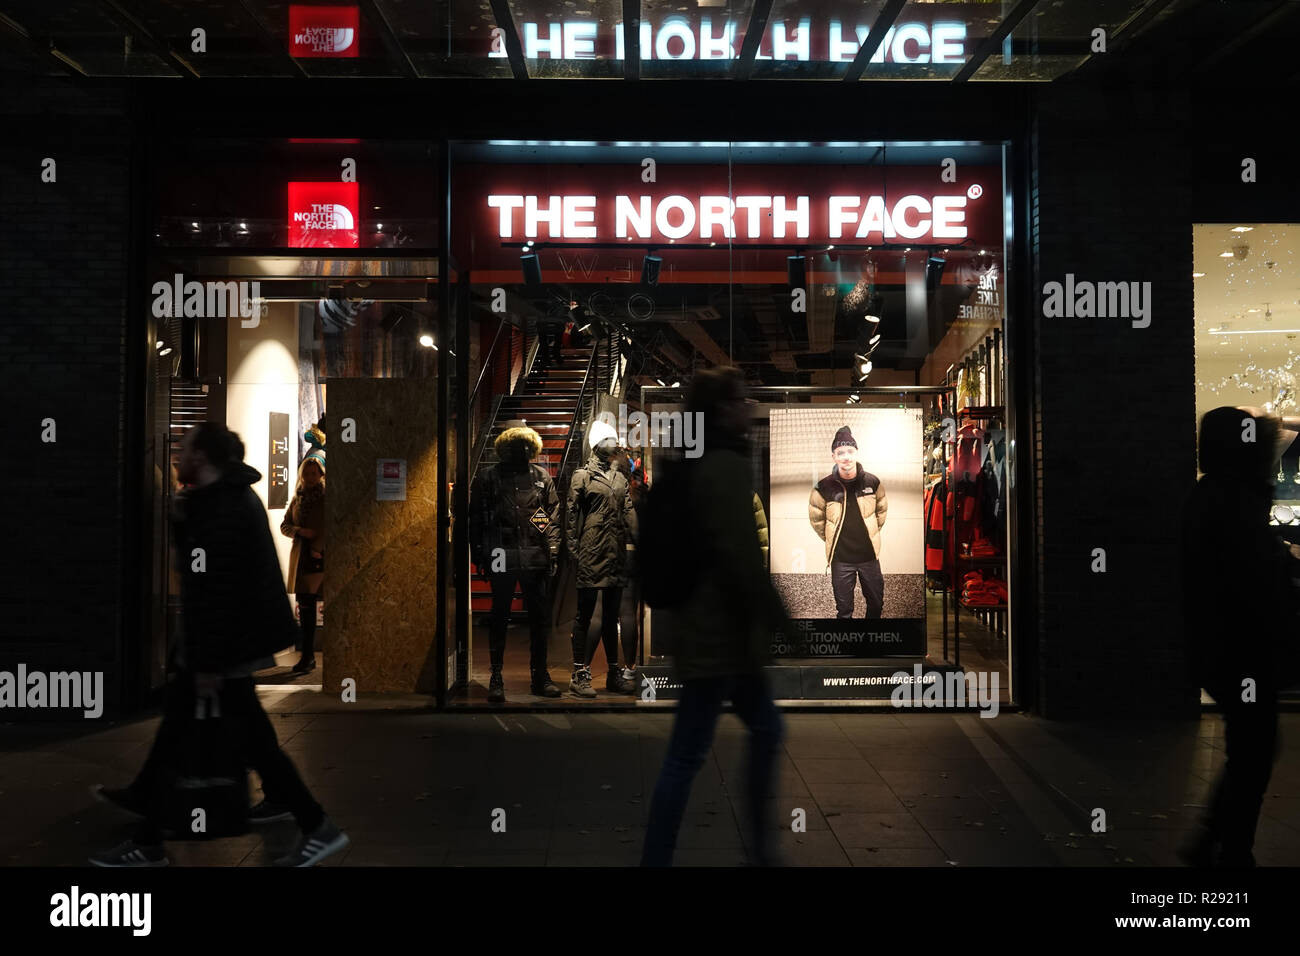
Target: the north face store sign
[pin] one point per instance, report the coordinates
(324, 31)
(323, 215)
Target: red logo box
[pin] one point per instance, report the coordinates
(324, 215)
(324, 31)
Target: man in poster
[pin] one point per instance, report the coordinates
(847, 509)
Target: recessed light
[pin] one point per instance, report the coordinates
(1198, 275)
(1242, 228)
(1225, 255)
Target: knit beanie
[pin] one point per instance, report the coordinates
(315, 437)
(843, 437)
(600, 430)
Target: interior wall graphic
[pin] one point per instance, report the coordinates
(852, 580)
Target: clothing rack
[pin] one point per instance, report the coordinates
(994, 616)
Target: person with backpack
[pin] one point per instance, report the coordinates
(702, 567)
(236, 616)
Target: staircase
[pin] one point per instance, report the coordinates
(546, 401)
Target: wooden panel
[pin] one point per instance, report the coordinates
(380, 593)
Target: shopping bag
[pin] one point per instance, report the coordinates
(209, 793)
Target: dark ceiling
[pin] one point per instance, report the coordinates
(922, 40)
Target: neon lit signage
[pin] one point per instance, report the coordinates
(712, 217)
(678, 38)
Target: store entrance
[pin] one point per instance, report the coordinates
(305, 358)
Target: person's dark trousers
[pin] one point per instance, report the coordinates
(688, 748)
(627, 623)
(536, 590)
(845, 577)
(584, 650)
(261, 751)
(1250, 741)
(307, 621)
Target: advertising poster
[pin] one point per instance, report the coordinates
(845, 521)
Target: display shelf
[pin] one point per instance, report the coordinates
(982, 607)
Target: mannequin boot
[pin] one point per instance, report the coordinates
(617, 682)
(543, 686)
(580, 682)
(497, 687)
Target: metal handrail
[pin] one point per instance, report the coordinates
(578, 413)
(487, 361)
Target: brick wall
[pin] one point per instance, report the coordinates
(62, 351)
(1115, 438)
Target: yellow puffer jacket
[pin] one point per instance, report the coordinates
(826, 508)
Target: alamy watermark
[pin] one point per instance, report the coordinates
(1086, 300)
(658, 429)
(953, 689)
(208, 300)
(60, 690)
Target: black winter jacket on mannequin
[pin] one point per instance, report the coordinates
(514, 507)
(600, 523)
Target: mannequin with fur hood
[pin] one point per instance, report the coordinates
(514, 538)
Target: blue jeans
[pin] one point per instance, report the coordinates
(688, 748)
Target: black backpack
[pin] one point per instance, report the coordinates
(666, 552)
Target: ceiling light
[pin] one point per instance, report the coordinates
(1226, 331)
(158, 344)
(1242, 228)
(1198, 275)
(427, 341)
(166, 351)
(1225, 255)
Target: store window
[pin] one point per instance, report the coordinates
(861, 290)
(1247, 324)
(284, 307)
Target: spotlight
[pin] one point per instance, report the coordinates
(796, 271)
(676, 384)
(650, 269)
(159, 344)
(166, 351)
(427, 341)
(933, 272)
(532, 266)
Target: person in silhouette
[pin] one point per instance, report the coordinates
(236, 616)
(1240, 619)
(722, 632)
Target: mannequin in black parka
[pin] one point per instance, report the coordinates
(600, 523)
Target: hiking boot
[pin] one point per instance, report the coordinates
(543, 685)
(617, 683)
(580, 683)
(326, 840)
(496, 689)
(131, 854)
(124, 799)
(268, 812)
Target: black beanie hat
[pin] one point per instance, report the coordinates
(843, 437)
